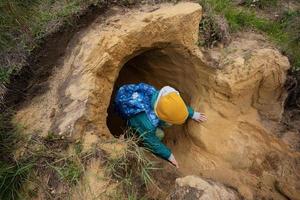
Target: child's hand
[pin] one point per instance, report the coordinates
(199, 117)
(173, 161)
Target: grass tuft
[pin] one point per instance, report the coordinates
(12, 177)
(12, 174)
(132, 169)
(9, 136)
(70, 171)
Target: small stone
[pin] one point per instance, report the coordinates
(193, 187)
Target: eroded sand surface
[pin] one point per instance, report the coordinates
(242, 96)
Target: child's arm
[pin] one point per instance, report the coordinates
(147, 133)
(157, 147)
(197, 116)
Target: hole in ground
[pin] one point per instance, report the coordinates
(158, 67)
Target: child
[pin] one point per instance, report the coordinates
(147, 110)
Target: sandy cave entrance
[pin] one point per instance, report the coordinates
(158, 67)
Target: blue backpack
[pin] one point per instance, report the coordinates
(132, 99)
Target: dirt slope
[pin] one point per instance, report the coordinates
(242, 96)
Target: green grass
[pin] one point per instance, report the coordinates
(14, 17)
(12, 173)
(67, 166)
(70, 171)
(9, 136)
(14, 34)
(5, 74)
(241, 18)
(284, 33)
(78, 147)
(12, 177)
(42, 156)
(23, 23)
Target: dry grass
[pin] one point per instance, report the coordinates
(132, 170)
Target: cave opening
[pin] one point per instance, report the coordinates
(157, 67)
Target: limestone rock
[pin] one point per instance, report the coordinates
(196, 188)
